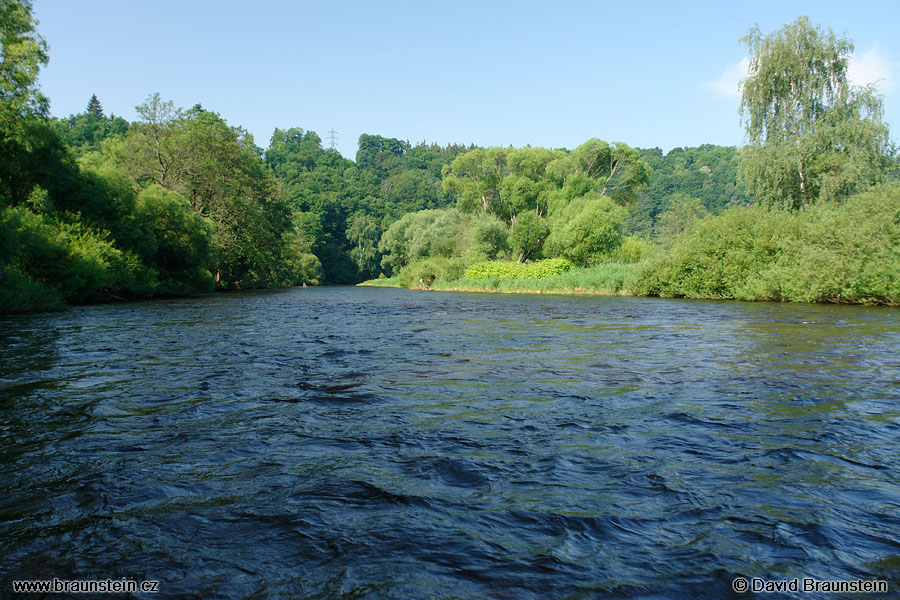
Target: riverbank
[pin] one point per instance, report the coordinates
(835, 253)
(611, 279)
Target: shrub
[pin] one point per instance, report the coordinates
(848, 252)
(633, 250)
(722, 256)
(541, 269)
(587, 231)
(833, 252)
(178, 241)
(20, 293)
(425, 272)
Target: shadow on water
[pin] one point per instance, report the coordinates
(345, 443)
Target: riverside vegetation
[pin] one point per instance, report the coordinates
(96, 208)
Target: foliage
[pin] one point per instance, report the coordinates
(180, 238)
(484, 237)
(22, 53)
(419, 235)
(86, 131)
(812, 136)
(834, 252)
(846, 252)
(423, 273)
(587, 231)
(609, 278)
(353, 204)
(526, 238)
(681, 215)
(216, 168)
(362, 232)
(67, 260)
(707, 172)
(634, 250)
(507, 182)
(500, 270)
(720, 256)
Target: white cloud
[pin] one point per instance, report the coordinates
(728, 83)
(875, 67)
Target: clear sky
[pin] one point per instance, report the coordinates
(493, 73)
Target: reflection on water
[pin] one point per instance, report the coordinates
(346, 443)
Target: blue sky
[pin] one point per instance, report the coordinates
(550, 74)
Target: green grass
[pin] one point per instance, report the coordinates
(607, 279)
(383, 282)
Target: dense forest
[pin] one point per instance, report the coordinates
(179, 202)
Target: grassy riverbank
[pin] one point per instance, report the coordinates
(610, 279)
(847, 253)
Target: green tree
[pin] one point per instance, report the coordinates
(363, 232)
(681, 215)
(180, 241)
(475, 178)
(419, 235)
(588, 230)
(379, 154)
(22, 53)
(811, 135)
(94, 107)
(84, 132)
(485, 238)
(527, 236)
(217, 169)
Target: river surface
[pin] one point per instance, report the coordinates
(382, 443)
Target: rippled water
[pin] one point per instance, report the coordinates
(377, 443)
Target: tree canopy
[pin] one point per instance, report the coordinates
(24, 52)
(93, 207)
(811, 134)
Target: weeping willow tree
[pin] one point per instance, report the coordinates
(811, 134)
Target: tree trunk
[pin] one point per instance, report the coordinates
(803, 202)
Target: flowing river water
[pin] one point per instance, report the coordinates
(382, 443)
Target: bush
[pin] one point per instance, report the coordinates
(71, 260)
(425, 272)
(721, 257)
(833, 252)
(588, 230)
(847, 252)
(20, 293)
(634, 250)
(178, 241)
(417, 236)
(542, 269)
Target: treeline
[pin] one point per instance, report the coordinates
(596, 204)
(808, 210)
(93, 207)
(177, 203)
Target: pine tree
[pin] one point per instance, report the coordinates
(94, 106)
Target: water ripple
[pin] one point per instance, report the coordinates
(347, 443)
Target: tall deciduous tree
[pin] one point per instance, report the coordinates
(22, 53)
(216, 168)
(811, 135)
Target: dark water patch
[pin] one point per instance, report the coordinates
(342, 442)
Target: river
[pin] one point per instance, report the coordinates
(383, 443)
